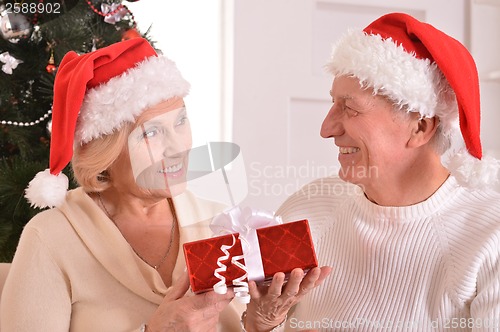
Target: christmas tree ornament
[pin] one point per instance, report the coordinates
(113, 13)
(49, 127)
(131, 33)
(28, 93)
(27, 124)
(51, 66)
(10, 63)
(36, 36)
(14, 27)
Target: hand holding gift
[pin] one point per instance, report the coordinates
(253, 248)
(258, 249)
(269, 306)
(198, 313)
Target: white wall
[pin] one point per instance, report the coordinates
(189, 33)
(485, 47)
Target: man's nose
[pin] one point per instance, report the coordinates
(333, 123)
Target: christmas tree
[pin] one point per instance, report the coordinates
(36, 34)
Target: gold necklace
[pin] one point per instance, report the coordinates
(172, 231)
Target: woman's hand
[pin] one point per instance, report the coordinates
(198, 313)
(269, 305)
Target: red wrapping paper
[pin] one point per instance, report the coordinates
(283, 248)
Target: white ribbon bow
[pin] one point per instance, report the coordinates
(245, 222)
(10, 63)
(116, 17)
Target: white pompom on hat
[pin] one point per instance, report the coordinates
(423, 70)
(94, 95)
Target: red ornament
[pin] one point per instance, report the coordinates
(130, 34)
(51, 67)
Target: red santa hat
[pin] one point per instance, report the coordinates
(94, 95)
(422, 70)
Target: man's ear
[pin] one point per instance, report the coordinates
(423, 130)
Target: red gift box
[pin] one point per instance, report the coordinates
(283, 248)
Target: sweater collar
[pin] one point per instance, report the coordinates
(108, 246)
(404, 213)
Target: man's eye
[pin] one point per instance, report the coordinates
(350, 112)
(182, 121)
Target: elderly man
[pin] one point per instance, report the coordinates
(417, 246)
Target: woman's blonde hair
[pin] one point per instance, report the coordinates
(92, 160)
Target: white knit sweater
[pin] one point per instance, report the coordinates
(430, 266)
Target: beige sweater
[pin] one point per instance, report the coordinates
(74, 271)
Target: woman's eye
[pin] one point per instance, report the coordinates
(149, 133)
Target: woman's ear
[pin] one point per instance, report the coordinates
(423, 130)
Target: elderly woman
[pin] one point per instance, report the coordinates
(415, 244)
(107, 257)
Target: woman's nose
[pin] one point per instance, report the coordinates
(174, 145)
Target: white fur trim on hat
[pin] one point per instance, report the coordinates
(416, 84)
(47, 190)
(474, 173)
(108, 106)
